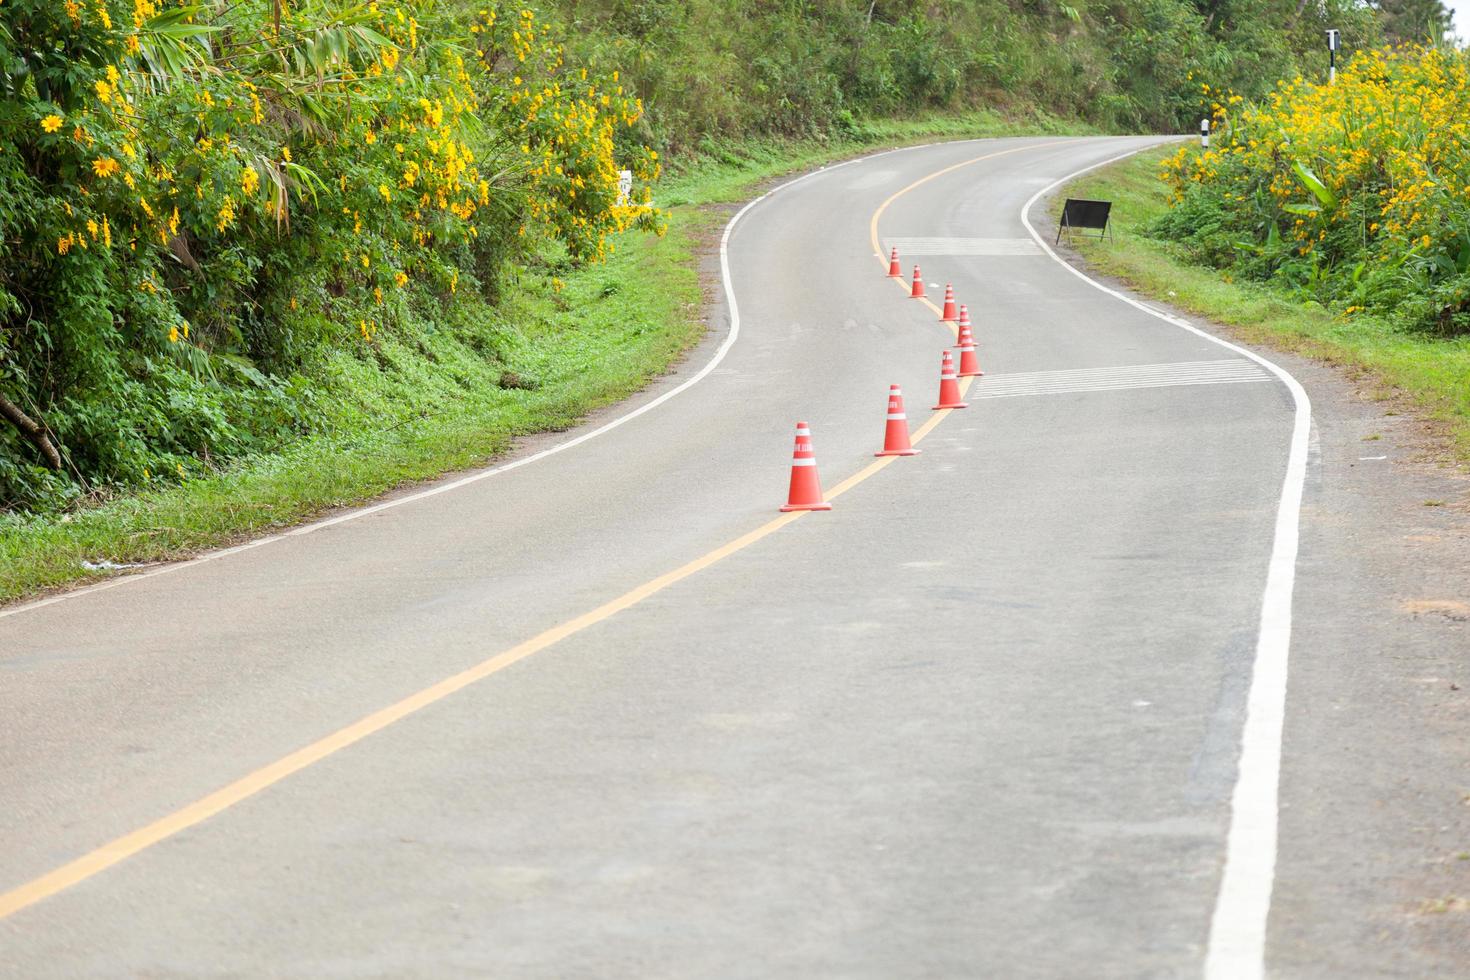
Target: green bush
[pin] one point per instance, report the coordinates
(200, 203)
(1352, 194)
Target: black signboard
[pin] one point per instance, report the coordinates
(1085, 214)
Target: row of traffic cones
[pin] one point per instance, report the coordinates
(946, 315)
(806, 487)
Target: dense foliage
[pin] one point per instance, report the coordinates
(1414, 21)
(198, 199)
(1356, 193)
(712, 68)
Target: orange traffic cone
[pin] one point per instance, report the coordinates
(948, 316)
(806, 488)
(965, 317)
(969, 360)
(896, 433)
(949, 388)
(895, 270)
(918, 290)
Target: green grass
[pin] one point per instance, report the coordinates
(457, 396)
(1432, 374)
(417, 411)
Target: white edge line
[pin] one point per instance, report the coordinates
(352, 515)
(1150, 386)
(1237, 941)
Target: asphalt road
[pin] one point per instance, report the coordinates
(983, 719)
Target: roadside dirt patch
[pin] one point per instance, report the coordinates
(1449, 608)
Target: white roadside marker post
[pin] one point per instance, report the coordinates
(1204, 133)
(1333, 37)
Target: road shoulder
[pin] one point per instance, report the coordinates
(1377, 738)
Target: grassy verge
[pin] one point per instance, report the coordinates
(538, 361)
(1432, 374)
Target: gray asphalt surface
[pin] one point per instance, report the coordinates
(979, 720)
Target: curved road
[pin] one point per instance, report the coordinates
(982, 719)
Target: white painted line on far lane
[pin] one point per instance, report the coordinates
(1237, 943)
(950, 247)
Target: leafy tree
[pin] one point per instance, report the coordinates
(1414, 20)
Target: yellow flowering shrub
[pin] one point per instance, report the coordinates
(200, 198)
(1356, 192)
(562, 127)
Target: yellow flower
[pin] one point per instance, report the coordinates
(173, 335)
(51, 123)
(226, 216)
(105, 166)
(249, 181)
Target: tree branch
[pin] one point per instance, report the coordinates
(28, 428)
(1300, 6)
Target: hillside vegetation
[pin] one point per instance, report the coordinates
(230, 226)
(714, 69)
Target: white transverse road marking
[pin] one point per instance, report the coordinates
(1237, 944)
(1230, 371)
(963, 246)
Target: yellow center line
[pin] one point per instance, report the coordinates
(120, 849)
